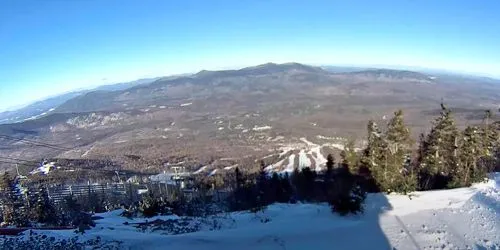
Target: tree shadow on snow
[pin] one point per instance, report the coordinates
(363, 231)
(332, 231)
(370, 234)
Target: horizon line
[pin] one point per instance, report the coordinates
(367, 66)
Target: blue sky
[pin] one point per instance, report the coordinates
(52, 46)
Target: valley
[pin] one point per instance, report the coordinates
(288, 115)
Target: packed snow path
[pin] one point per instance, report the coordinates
(465, 218)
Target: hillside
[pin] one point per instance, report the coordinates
(464, 218)
(287, 114)
(36, 109)
(47, 106)
(395, 74)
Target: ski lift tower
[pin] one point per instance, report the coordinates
(179, 171)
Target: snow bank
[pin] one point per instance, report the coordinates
(441, 199)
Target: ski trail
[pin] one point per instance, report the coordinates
(88, 151)
(303, 160)
(407, 232)
(453, 231)
(291, 161)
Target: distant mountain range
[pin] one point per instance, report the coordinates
(288, 114)
(47, 106)
(394, 74)
(92, 98)
(37, 109)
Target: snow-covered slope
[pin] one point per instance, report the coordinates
(44, 168)
(296, 153)
(465, 218)
(302, 154)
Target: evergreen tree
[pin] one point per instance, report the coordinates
(30, 203)
(95, 202)
(8, 199)
(73, 215)
(439, 160)
(397, 172)
(286, 193)
(374, 158)
(149, 206)
(245, 194)
(306, 188)
(468, 170)
(490, 138)
(422, 148)
(279, 189)
(350, 158)
(44, 210)
(71, 209)
(263, 188)
(238, 177)
(496, 147)
(295, 179)
(330, 164)
(346, 195)
(11, 201)
(275, 189)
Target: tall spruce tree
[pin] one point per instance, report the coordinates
(7, 198)
(350, 158)
(295, 179)
(11, 201)
(238, 178)
(374, 157)
(496, 147)
(286, 187)
(398, 174)
(304, 184)
(239, 191)
(263, 187)
(275, 189)
(345, 194)
(330, 164)
(44, 209)
(490, 137)
(468, 170)
(422, 148)
(439, 160)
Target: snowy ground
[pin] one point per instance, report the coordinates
(303, 154)
(465, 218)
